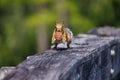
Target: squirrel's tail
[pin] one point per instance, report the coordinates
(69, 32)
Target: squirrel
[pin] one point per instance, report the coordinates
(61, 34)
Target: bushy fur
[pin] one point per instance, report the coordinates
(66, 35)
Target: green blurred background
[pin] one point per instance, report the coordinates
(26, 26)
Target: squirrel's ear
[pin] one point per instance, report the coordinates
(63, 23)
(55, 24)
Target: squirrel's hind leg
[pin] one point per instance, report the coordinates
(55, 47)
(68, 44)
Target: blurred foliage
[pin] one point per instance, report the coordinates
(20, 19)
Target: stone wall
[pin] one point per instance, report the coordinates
(91, 57)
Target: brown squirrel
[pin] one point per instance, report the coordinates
(61, 35)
